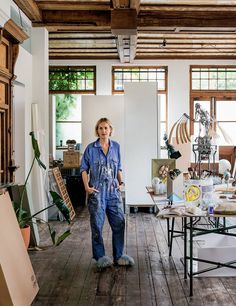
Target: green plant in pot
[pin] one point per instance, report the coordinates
(24, 218)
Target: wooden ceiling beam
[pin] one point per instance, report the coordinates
(187, 19)
(92, 18)
(30, 8)
(124, 22)
(124, 26)
(150, 19)
(184, 8)
(185, 50)
(73, 5)
(216, 56)
(187, 46)
(87, 38)
(83, 56)
(188, 36)
(191, 2)
(58, 27)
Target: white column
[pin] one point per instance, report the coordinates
(40, 85)
(40, 113)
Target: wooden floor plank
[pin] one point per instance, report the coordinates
(67, 275)
(132, 274)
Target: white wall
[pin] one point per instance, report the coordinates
(4, 11)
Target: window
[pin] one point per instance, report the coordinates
(66, 84)
(120, 75)
(213, 78)
(72, 79)
(215, 89)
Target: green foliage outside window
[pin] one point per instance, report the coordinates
(65, 104)
(76, 79)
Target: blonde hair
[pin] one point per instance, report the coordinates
(106, 121)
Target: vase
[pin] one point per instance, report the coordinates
(26, 235)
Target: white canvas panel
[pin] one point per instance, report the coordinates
(140, 139)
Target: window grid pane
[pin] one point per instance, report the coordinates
(219, 78)
(72, 78)
(146, 74)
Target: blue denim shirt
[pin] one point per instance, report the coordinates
(100, 167)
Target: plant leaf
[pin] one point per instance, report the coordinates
(21, 215)
(63, 237)
(52, 233)
(58, 201)
(36, 150)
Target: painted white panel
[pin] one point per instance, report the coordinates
(96, 107)
(19, 131)
(140, 139)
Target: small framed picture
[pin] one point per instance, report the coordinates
(161, 168)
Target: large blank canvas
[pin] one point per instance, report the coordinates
(18, 284)
(140, 140)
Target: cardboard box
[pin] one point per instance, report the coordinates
(217, 248)
(71, 159)
(18, 284)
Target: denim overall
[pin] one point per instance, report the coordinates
(103, 171)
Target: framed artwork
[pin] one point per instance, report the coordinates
(161, 168)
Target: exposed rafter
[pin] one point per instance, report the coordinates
(30, 8)
(136, 28)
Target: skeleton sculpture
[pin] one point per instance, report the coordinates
(203, 148)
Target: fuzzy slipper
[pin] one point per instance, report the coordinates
(104, 262)
(125, 260)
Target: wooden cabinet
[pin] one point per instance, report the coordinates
(10, 37)
(5, 110)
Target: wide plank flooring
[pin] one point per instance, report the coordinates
(67, 274)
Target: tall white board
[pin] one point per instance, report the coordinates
(141, 124)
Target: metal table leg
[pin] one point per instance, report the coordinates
(185, 248)
(171, 235)
(191, 256)
(168, 231)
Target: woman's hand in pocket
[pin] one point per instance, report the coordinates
(90, 190)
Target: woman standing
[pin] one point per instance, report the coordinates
(102, 177)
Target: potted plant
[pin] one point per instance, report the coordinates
(24, 218)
